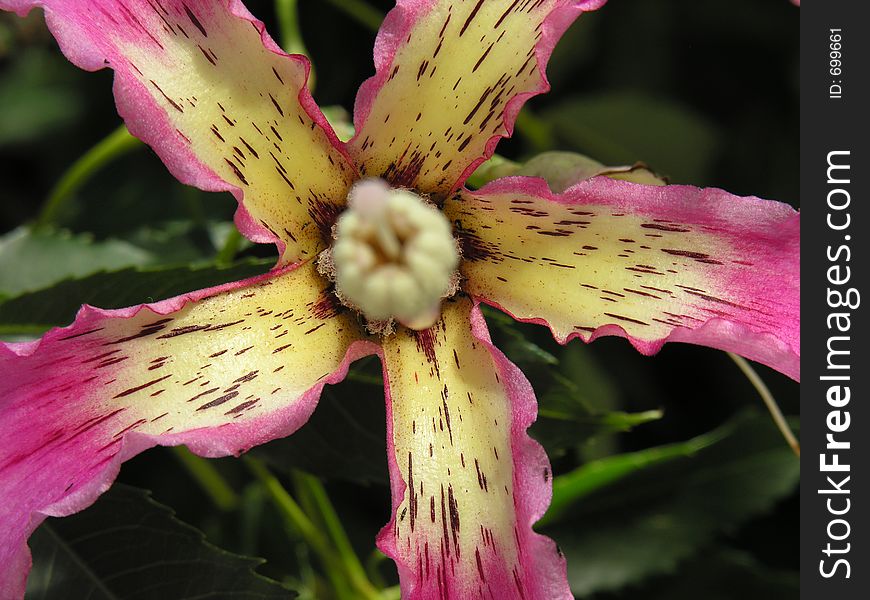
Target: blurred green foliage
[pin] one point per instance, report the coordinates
(152, 555)
(665, 486)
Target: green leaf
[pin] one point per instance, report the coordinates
(583, 374)
(576, 399)
(571, 487)
(647, 520)
(57, 305)
(497, 166)
(128, 546)
(561, 170)
(519, 347)
(178, 242)
(624, 128)
(30, 260)
(579, 406)
(558, 431)
(344, 438)
(34, 259)
(173, 242)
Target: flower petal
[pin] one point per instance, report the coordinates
(650, 263)
(467, 481)
(451, 78)
(223, 106)
(220, 370)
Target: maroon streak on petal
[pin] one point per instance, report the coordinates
(73, 411)
(467, 481)
(203, 84)
(650, 263)
(450, 79)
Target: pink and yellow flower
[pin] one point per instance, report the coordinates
(227, 368)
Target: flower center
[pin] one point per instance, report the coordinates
(394, 255)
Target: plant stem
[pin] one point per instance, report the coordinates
(392, 593)
(372, 563)
(230, 248)
(361, 377)
(315, 491)
(250, 519)
(116, 144)
(286, 505)
(191, 198)
(208, 478)
(361, 12)
(769, 402)
(291, 34)
(296, 519)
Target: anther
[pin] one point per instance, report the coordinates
(394, 255)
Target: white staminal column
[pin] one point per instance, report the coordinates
(394, 255)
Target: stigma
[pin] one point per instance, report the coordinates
(393, 257)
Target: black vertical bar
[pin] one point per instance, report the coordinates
(835, 223)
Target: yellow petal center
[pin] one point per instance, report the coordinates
(394, 255)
